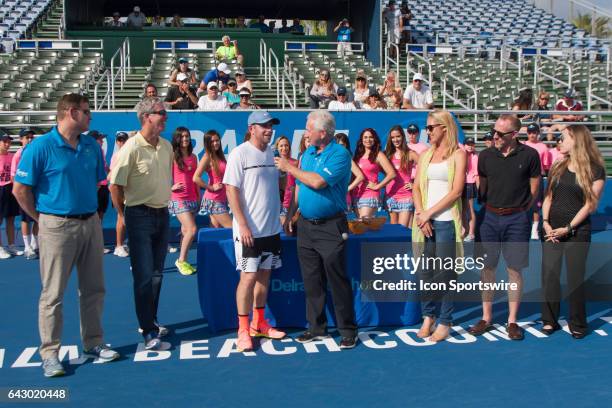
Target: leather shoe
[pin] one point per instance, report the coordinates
(480, 328)
(550, 331)
(514, 331)
(578, 335)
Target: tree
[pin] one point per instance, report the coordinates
(602, 25)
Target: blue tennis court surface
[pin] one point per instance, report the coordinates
(391, 367)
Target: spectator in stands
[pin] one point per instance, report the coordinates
(116, 23)
(136, 19)
(344, 31)
(212, 100)
(120, 247)
(231, 94)
(488, 139)
(524, 101)
(342, 103)
(181, 96)
(261, 25)
(542, 105)
(297, 28)
(221, 23)
(437, 200)
(395, 102)
(570, 104)
(418, 95)
(374, 102)
(272, 26)
(176, 21)
(228, 52)
(372, 161)
(414, 133)
(389, 88)
(185, 197)
(214, 202)
(9, 208)
(240, 22)
(219, 74)
(150, 91)
(323, 91)
(183, 68)
(533, 141)
(575, 187)
(555, 151)
(284, 29)
(242, 81)
(245, 100)
(361, 92)
(405, 24)
(30, 235)
(392, 16)
(158, 21)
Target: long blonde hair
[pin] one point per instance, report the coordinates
(583, 156)
(445, 119)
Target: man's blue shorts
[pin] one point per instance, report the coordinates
(508, 234)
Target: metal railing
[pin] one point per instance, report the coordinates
(44, 44)
(274, 73)
(61, 28)
(538, 72)
(263, 59)
(106, 98)
(455, 95)
(390, 61)
(321, 46)
(116, 73)
(184, 45)
(590, 94)
(412, 55)
(290, 99)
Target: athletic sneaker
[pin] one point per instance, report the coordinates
(307, 337)
(152, 341)
(161, 330)
(14, 250)
(106, 251)
(102, 352)
(121, 252)
(244, 342)
(184, 267)
(348, 342)
(30, 254)
(52, 367)
(265, 330)
(4, 254)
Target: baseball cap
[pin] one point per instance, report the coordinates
(96, 135)
(341, 90)
(260, 117)
(212, 84)
(26, 131)
(244, 91)
(121, 137)
(224, 68)
(183, 60)
(569, 93)
(488, 136)
(469, 140)
(418, 77)
(137, 9)
(412, 128)
(181, 77)
(5, 138)
(533, 128)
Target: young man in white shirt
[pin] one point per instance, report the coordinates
(212, 100)
(251, 181)
(418, 95)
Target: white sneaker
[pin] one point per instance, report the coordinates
(106, 251)
(30, 254)
(172, 249)
(121, 252)
(14, 250)
(4, 254)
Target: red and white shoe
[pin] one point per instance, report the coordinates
(244, 342)
(265, 330)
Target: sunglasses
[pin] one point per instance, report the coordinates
(162, 112)
(245, 96)
(502, 134)
(430, 128)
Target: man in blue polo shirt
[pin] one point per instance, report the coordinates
(56, 184)
(322, 183)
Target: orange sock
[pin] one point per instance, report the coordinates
(258, 316)
(243, 322)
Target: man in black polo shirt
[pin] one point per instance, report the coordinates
(181, 97)
(509, 175)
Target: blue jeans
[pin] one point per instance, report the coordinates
(439, 303)
(147, 230)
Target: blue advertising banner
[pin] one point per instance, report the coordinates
(232, 125)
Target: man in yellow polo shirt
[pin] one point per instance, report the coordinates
(140, 188)
(229, 51)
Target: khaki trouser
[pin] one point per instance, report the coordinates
(64, 244)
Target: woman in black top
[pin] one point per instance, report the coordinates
(575, 185)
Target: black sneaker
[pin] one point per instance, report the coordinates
(307, 337)
(348, 342)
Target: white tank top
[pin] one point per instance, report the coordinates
(437, 188)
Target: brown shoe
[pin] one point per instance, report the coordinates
(514, 331)
(480, 328)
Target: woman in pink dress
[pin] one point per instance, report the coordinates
(213, 163)
(371, 161)
(399, 190)
(470, 191)
(283, 147)
(185, 194)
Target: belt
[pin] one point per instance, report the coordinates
(319, 221)
(505, 211)
(162, 210)
(82, 217)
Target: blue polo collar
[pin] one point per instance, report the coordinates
(312, 150)
(60, 142)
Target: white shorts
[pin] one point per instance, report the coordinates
(393, 35)
(264, 254)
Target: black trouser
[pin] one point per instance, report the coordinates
(147, 230)
(321, 251)
(575, 250)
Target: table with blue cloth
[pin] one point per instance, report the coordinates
(286, 307)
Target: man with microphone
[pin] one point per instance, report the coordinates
(321, 185)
